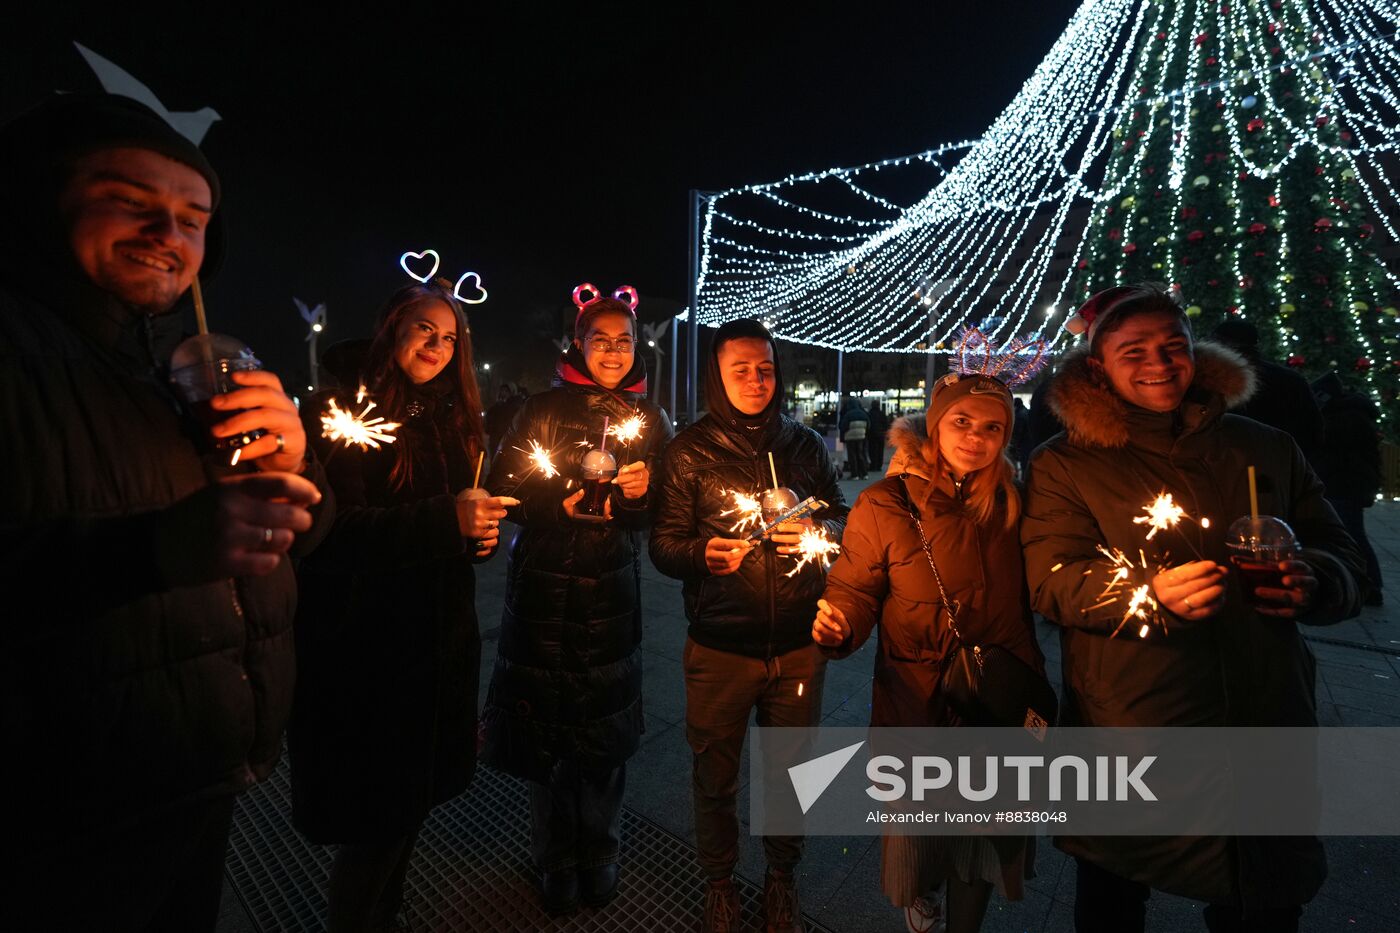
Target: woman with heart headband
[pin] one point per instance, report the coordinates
(564, 710)
(949, 483)
(388, 649)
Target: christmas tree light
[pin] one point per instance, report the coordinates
(1233, 148)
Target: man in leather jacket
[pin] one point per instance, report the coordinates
(749, 643)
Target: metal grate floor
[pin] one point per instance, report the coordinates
(471, 869)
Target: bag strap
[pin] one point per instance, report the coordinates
(951, 606)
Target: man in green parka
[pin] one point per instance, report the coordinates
(1144, 408)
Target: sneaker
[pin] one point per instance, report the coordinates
(925, 915)
(721, 907)
(781, 912)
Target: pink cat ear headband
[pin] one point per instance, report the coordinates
(623, 293)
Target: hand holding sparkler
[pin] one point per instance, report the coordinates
(632, 480)
(830, 627)
(480, 517)
(724, 555)
(1194, 590)
(788, 535)
(261, 405)
(340, 424)
(813, 547)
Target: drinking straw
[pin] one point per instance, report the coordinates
(1253, 494)
(200, 320)
(772, 469)
(480, 456)
(604, 445)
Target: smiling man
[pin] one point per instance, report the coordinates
(749, 646)
(1144, 408)
(151, 675)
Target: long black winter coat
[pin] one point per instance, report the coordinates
(388, 647)
(757, 611)
(124, 691)
(568, 677)
(1237, 669)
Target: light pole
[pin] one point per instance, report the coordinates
(315, 319)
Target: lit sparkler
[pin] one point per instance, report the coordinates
(1131, 580)
(814, 547)
(339, 424)
(746, 507)
(540, 460)
(628, 431)
(1162, 513)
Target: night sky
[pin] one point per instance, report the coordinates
(537, 148)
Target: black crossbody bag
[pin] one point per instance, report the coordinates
(986, 685)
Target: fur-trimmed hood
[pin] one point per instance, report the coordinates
(907, 436)
(1094, 416)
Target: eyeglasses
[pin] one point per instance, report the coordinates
(621, 345)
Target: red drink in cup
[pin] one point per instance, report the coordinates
(1257, 545)
(203, 367)
(599, 468)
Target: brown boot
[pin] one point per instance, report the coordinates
(781, 911)
(721, 907)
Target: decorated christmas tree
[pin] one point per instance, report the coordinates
(1236, 173)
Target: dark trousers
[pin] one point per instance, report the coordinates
(163, 874)
(576, 819)
(721, 691)
(875, 451)
(1107, 903)
(856, 463)
(365, 890)
(1352, 512)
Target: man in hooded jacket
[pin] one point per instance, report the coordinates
(749, 644)
(1144, 407)
(153, 681)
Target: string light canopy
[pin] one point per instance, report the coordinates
(1110, 132)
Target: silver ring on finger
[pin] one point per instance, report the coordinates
(281, 443)
(267, 536)
(1187, 601)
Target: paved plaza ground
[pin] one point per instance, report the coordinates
(1358, 685)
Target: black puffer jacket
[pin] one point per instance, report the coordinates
(757, 611)
(567, 682)
(388, 647)
(124, 691)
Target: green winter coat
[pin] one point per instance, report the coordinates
(1238, 669)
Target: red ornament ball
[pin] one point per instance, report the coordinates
(1362, 364)
(1083, 263)
(1203, 38)
(1321, 121)
(1257, 228)
(1187, 213)
(1363, 231)
(1322, 224)
(1317, 169)
(1195, 236)
(1115, 234)
(1295, 361)
(1273, 200)
(1256, 124)
(1129, 248)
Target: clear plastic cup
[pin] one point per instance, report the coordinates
(202, 367)
(599, 468)
(775, 502)
(1257, 544)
